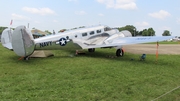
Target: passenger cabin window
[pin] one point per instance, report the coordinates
(91, 33)
(98, 31)
(84, 34)
(75, 36)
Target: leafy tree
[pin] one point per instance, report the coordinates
(2, 28)
(130, 28)
(148, 32)
(145, 32)
(82, 27)
(12, 28)
(151, 32)
(48, 32)
(140, 33)
(74, 28)
(166, 33)
(62, 30)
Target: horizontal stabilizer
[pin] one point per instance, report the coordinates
(6, 38)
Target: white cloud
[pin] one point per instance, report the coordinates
(19, 17)
(40, 11)
(142, 25)
(80, 13)
(55, 21)
(100, 14)
(119, 4)
(162, 14)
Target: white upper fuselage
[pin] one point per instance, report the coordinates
(93, 35)
(80, 33)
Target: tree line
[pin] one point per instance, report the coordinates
(144, 32)
(2, 28)
(131, 28)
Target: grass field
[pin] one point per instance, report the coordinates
(92, 77)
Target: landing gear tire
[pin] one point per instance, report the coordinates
(91, 50)
(119, 53)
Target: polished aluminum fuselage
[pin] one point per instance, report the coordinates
(73, 38)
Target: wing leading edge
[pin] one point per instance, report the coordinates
(129, 41)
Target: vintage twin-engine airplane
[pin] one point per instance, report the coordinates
(23, 44)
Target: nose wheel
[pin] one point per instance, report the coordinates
(119, 53)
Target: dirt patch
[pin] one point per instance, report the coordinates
(151, 48)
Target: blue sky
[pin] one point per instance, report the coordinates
(58, 14)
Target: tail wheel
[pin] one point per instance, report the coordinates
(91, 50)
(119, 53)
(26, 58)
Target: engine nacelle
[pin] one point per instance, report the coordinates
(124, 33)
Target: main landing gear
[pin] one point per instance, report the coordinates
(91, 50)
(120, 52)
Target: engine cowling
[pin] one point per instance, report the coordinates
(124, 33)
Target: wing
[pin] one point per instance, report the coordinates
(126, 41)
(137, 40)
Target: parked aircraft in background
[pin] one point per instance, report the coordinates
(23, 44)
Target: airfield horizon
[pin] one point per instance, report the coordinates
(171, 49)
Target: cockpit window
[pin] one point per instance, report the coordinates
(98, 31)
(107, 29)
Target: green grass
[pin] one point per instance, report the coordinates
(94, 77)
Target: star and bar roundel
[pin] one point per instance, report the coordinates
(62, 41)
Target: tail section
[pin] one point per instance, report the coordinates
(22, 41)
(6, 38)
